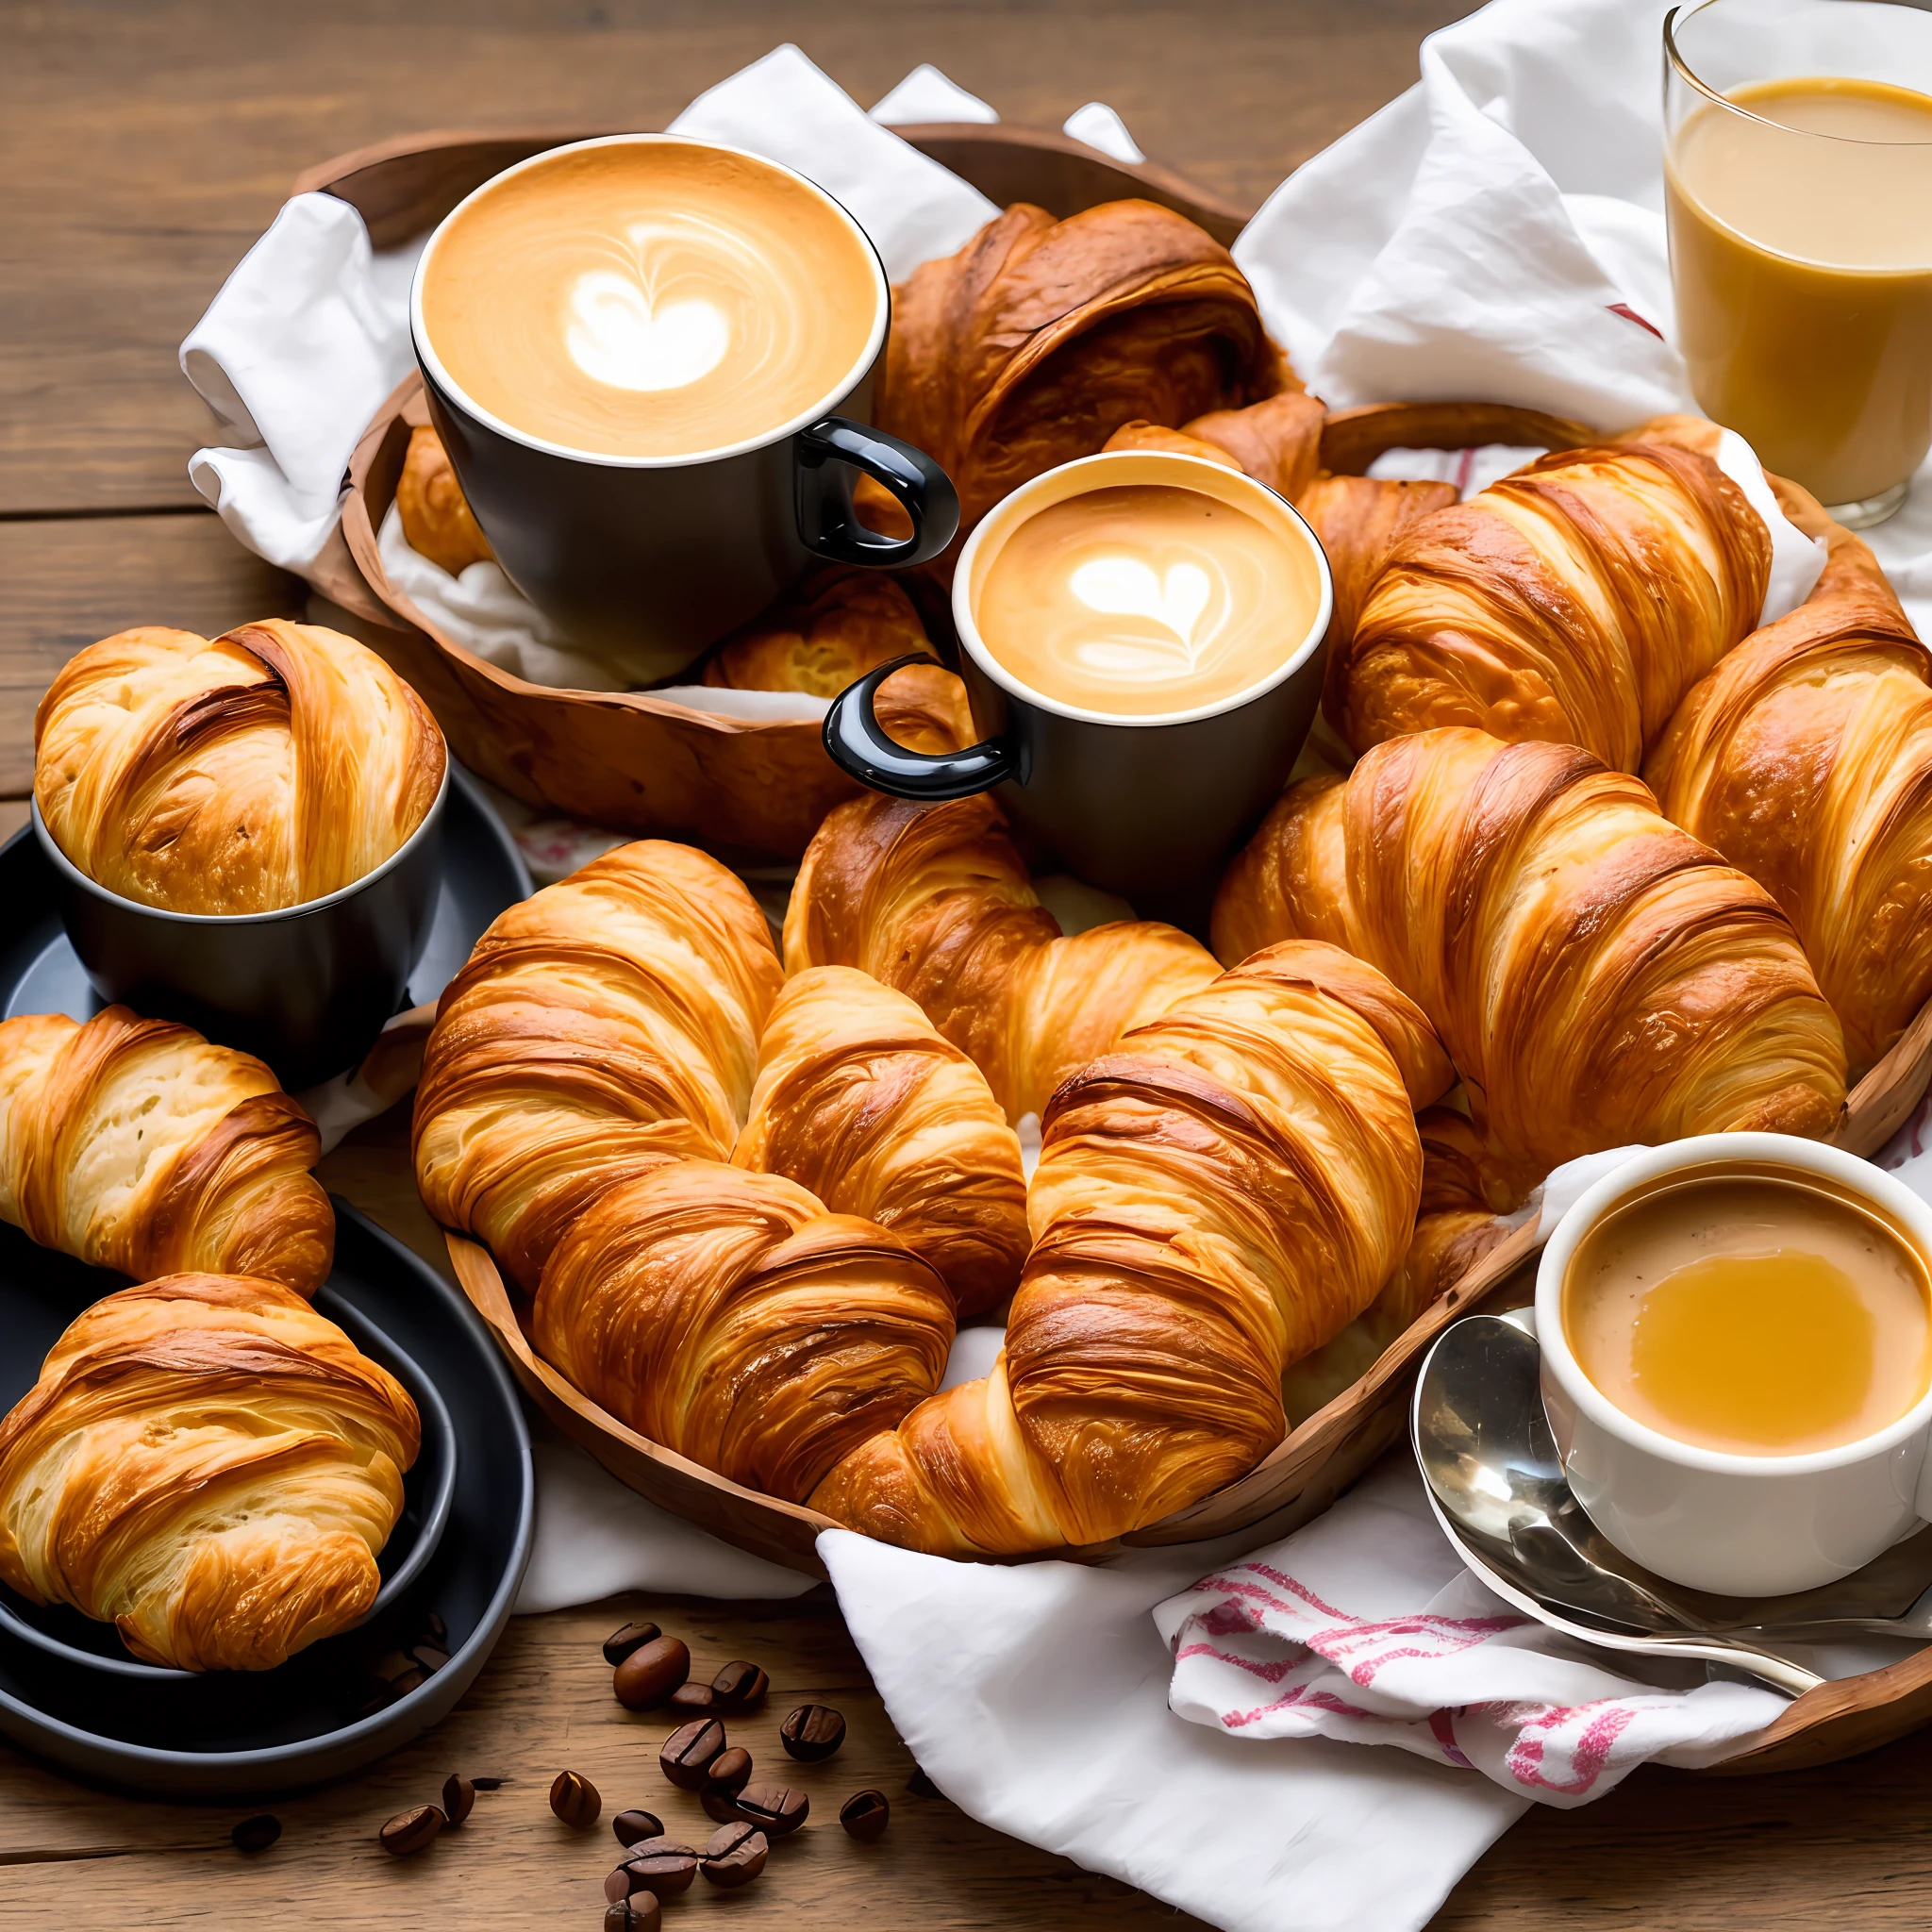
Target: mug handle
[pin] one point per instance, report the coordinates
(858, 746)
(825, 523)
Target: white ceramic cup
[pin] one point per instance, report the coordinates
(1741, 1526)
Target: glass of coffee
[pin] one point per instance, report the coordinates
(1737, 1360)
(651, 359)
(1798, 188)
(1141, 636)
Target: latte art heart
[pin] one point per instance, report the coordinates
(1144, 598)
(615, 336)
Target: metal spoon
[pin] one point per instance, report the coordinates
(1498, 1490)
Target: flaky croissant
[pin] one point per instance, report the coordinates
(1360, 521)
(210, 1465)
(1576, 600)
(825, 634)
(1598, 976)
(1278, 441)
(1039, 337)
(136, 1145)
(935, 901)
(728, 1316)
(1805, 759)
(859, 1099)
(599, 1029)
(270, 767)
(435, 515)
(1215, 1198)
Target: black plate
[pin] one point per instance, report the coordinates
(482, 873)
(246, 1733)
(45, 1292)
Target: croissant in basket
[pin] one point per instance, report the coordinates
(435, 515)
(1597, 976)
(1216, 1198)
(264, 769)
(1576, 600)
(210, 1465)
(1041, 337)
(936, 901)
(1805, 759)
(136, 1145)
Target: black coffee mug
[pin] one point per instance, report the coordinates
(1150, 807)
(658, 557)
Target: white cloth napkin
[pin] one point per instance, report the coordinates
(1498, 230)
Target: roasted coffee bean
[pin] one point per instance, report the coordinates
(620, 1883)
(730, 1771)
(661, 1865)
(813, 1733)
(633, 1827)
(865, 1816)
(620, 1643)
(428, 1657)
(640, 1912)
(490, 1783)
(773, 1808)
(407, 1832)
(258, 1833)
(739, 1686)
(922, 1787)
(458, 1798)
(574, 1800)
(686, 1755)
(651, 1672)
(736, 1855)
(370, 1695)
(435, 1630)
(410, 1680)
(691, 1700)
(719, 1803)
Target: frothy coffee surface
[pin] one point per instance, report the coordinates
(648, 299)
(1144, 598)
(1753, 1315)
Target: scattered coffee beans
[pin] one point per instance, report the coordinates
(719, 1803)
(739, 1686)
(633, 1827)
(922, 1787)
(407, 1832)
(736, 1855)
(490, 1783)
(775, 1809)
(256, 1834)
(865, 1816)
(620, 1643)
(813, 1733)
(691, 1700)
(640, 1912)
(458, 1797)
(686, 1755)
(574, 1800)
(661, 1865)
(651, 1672)
(729, 1772)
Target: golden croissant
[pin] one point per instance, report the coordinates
(1576, 600)
(935, 901)
(435, 515)
(1217, 1197)
(1278, 441)
(730, 1317)
(826, 633)
(210, 1465)
(1041, 337)
(266, 768)
(136, 1145)
(861, 1100)
(599, 1029)
(1805, 759)
(1597, 976)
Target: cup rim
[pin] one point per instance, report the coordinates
(73, 874)
(1679, 62)
(440, 377)
(1008, 511)
(1779, 1150)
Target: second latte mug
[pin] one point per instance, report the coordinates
(651, 360)
(1141, 637)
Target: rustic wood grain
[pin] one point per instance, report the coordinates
(145, 145)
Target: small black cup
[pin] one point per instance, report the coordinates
(1149, 807)
(665, 554)
(306, 987)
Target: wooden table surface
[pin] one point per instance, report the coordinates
(144, 144)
